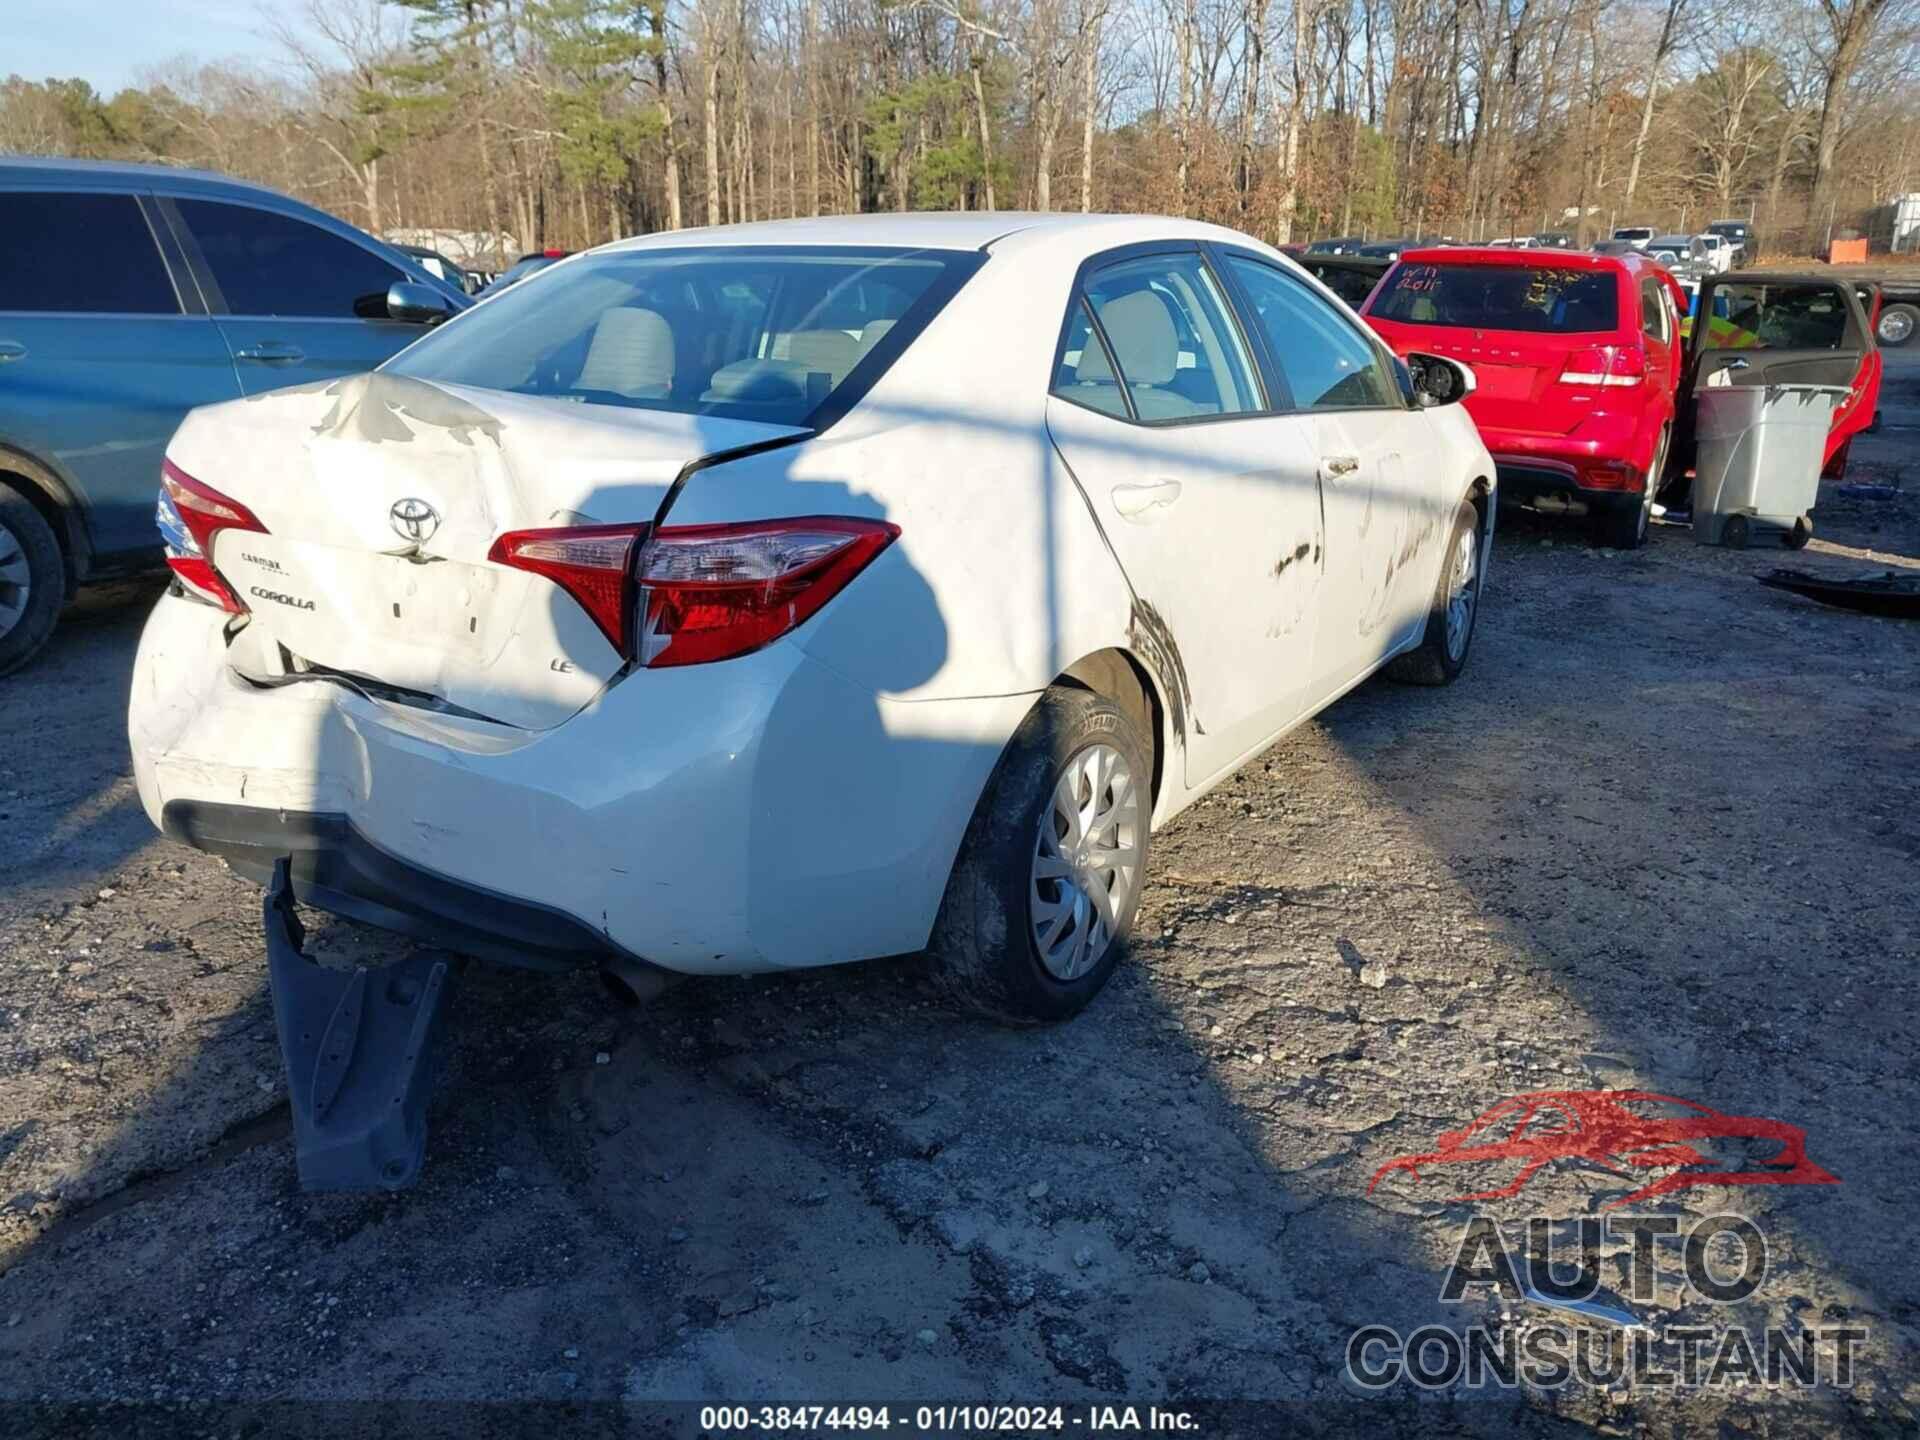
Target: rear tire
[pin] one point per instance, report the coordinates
(1735, 534)
(33, 580)
(1625, 528)
(1442, 652)
(1801, 533)
(1024, 880)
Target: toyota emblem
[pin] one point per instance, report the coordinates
(414, 520)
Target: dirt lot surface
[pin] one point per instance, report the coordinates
(1663, 835)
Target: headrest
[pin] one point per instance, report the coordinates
(1143, 339)
(631, 353)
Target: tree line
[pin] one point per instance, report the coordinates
(570, 122)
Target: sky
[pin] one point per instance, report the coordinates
(109, 42)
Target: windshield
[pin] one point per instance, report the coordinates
(753, 333)
(1541, 298)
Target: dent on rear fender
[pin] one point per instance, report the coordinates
(1151, 640)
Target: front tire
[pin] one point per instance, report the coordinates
(1442, 652)
(1044, 890)
(33, 580)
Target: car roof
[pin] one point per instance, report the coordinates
(941, 230)
(40, 170)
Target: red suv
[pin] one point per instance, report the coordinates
(1576, 360)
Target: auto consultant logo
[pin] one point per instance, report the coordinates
(1677, 1144)
(414, 519)
(1724, 1260)
(1559, 1325)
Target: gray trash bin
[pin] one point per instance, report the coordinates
(1758, 458)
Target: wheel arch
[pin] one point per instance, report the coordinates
(1124, 679)
(58, 506)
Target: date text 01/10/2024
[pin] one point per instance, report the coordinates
(937, 1419)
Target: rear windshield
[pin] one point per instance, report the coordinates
(1352, 286)
(754, 333)
(1541, 298)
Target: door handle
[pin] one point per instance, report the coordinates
(1134, 501)
(272, 352)
(1738, 365)
(12, 350)
(1336, 466)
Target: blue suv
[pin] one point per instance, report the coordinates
(130, 294)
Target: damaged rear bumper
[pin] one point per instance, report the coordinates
(331, 866)
(362, 1049)
(762, 814)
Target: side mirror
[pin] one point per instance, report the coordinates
(1439, 381)
(421, 304)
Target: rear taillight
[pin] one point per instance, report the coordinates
(1605, 365)
(710, 592)
(189, 515)
(592, 563)
(687, 594)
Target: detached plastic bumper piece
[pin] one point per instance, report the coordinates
(362, 1049)
(1895, 594)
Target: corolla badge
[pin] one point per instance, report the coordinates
(414, 520)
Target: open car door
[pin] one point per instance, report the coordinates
(1752, 329)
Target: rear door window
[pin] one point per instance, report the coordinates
(1542, 299)
(1325, 360)
(1166, 325)
(266, 263)
(81, 253)
(1085, 372)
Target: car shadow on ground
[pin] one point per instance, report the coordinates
(798, 1187)
(828, 1186)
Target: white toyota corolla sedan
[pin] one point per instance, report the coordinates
(788, 594)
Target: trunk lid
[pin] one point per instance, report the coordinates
(382, 496)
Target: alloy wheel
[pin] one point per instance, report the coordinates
(1463, 587)
(16, 581)
(1086, 861)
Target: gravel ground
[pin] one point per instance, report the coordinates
(1662, 836)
